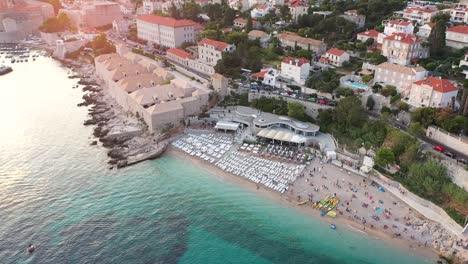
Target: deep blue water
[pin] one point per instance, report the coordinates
(57, 193)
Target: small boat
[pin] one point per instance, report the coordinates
(333, 226)
(5, 70)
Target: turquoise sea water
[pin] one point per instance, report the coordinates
(57, 193)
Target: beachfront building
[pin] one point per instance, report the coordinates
(295, 69)
(402, 77)
(433, 92)
(297, 8)
(398, 26)
(140, 86)
(274, 128)
(420, 15)
(292, 41)
(165, 31)
(457, 37)
(211, 51)
(335, 57)
(425, 30)
(403, 49)
(262, 37)
(353, 16)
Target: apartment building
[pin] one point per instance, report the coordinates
(297, 8)
(420, 15)
(335, 57)
(398, 26)
(189, 62)
(371, 34)
(425, 31)
(402, 77)
(295, 69)
(165, 31)
(457, 37)
(403, 48)
(210, 51)
(433, 92)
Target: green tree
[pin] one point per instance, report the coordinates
(349, 113)
(416, 129)
(427, 179)
(191, 10)
(384, 157)
(296, 110)
(249, 25)
(437, 37)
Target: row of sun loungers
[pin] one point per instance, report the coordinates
(272, 174)
(208, 147)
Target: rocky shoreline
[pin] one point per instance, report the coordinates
(127, 138)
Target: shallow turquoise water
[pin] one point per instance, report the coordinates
(56, 192)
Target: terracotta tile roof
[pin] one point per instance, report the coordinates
(301, 40)
(399, 22)
(244, 20)
(257, 34)
(260, 74)
(262, 7)
(351, 12)
(166, 21)
(291, 60)
(219, 45)
(370, 33)
(400, 68)
(179, 53)
(462, 29)
(336, 52)
(404, 38)
(296, 3)
(438, 84)
(198, 26)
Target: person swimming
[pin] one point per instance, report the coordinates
(31, 248)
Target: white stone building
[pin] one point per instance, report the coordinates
(398, 26)
(295, 69)
(210, 51)
(165, 31)
(402, 77)
(189, 62)
(425, 30)
(371, 34)
(464, 64)
(297, 8)
(335, 57)
(261, 11)
(433, 92)
(420, 15)
(457, 37)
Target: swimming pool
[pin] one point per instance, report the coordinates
(356, 85)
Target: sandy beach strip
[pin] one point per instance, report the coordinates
(288, 200)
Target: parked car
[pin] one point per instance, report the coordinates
(462, 161)
(312, 99)
(449, 154)
(439, 148)
(323, 101)
(332, 103)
